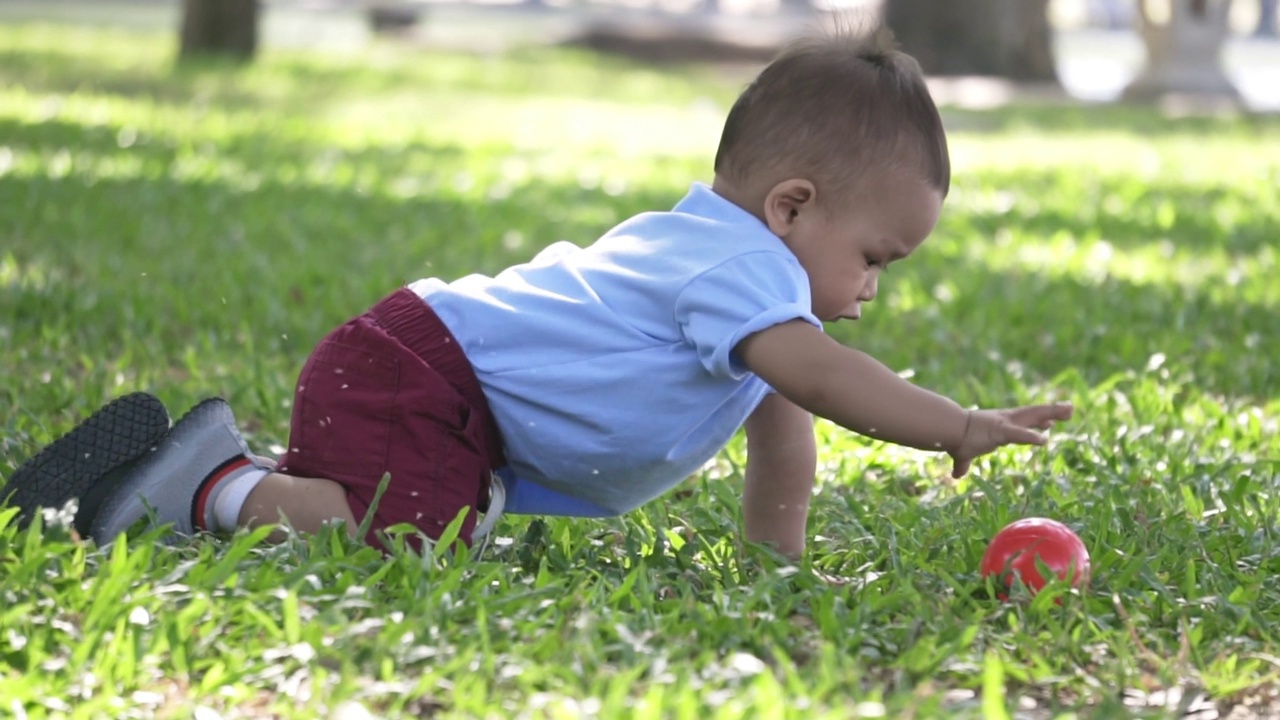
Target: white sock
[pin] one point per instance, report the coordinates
(231, 496)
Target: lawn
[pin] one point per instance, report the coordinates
(194, 233)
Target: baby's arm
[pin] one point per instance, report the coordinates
(781, 462)
(856, 391)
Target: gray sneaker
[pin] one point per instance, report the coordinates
(172, 484)
(77, 464)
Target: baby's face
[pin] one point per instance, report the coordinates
(845, 243)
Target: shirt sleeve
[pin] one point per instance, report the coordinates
(736, 298)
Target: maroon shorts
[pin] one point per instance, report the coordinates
(392, 392)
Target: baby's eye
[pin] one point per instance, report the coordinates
(870, 262)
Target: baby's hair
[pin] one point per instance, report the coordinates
(837, 109)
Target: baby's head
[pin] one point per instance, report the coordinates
(838, 147)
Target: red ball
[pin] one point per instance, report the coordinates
(1015, 548)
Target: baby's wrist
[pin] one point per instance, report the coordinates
(966, 422)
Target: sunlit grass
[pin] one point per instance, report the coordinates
(195, 232)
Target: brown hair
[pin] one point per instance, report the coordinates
(836, 109)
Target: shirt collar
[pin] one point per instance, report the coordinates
(702, 201)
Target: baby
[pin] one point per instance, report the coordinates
(589, 381)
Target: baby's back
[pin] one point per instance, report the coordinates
(609, 368)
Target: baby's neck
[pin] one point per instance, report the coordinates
(737, 196)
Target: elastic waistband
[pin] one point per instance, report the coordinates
(411, 320)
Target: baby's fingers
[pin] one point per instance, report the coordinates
(1022, 435)
(1042, 417)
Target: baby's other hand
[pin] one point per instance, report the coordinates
(986, 430)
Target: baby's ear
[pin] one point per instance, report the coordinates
(785, 203)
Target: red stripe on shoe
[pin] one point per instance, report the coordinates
(206, 488)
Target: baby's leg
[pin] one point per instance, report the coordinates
(306, 503)
(201, 464)
(202, 477)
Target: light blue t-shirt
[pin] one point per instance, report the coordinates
(610, 369)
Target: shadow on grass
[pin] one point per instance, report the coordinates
(247, 149)
(184, 257)
(1128, 212)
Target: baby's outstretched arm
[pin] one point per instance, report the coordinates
(858, 392)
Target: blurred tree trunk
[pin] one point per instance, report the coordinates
(219, 27)
(1184, 51)
(1006, 38)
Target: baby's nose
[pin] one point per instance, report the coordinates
(869, 289)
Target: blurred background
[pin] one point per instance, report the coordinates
(1187, 55)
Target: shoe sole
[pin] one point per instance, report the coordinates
(111, 438)
(191, 443)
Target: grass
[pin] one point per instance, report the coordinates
(195, 232)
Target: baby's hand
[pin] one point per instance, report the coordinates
(986, 430)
